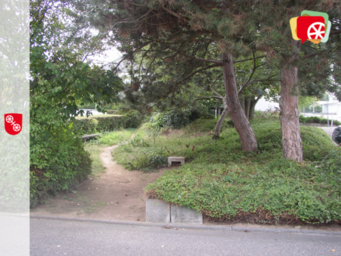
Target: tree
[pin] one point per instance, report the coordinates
(292, 56)
(191, 36)
(59, 81)
(198, 31)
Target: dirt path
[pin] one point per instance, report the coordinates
(116, 195)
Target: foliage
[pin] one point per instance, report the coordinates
(96, 162)
(60, 81)
(226, 183)
(58, 162)
(175, 119)
(280, 191)
(317, 120)
(114, 138)
(105, 123)
(226, 150)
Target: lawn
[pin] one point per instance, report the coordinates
(226, 183)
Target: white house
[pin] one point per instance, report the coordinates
(331, 107)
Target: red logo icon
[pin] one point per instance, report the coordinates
(13, 123)
(310, 27)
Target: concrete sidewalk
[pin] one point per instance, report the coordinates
(60, 237)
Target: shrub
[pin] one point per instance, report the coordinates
(57, 163)
(105, 123)
(302, 119)
(85, 125)
(176, 119)
(313, 119)
(316, 119)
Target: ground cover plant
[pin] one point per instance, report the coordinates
(226, 183)
(95, 147)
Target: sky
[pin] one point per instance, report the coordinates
(112, 55)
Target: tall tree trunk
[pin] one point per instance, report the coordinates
(220, 121)
(243, 127)
(247, 107)
(289, 115)
(252, 107)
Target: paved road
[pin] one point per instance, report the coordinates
(56, 237)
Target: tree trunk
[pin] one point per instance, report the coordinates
(247, 107)
(289, 115)
(220, 121)
(243, 127)
(252, 108)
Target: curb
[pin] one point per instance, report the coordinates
(196, 226)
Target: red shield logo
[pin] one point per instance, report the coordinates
(13, 123)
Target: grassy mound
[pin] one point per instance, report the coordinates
(226, 183)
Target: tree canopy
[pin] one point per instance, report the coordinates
(190, 37)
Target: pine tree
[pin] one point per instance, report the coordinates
(313, 61)
(190, 37)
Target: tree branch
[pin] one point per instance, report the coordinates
(314, 54)
(208, 98)
(251, 75)
(218, 94)
(248, 59)
(129, 55)
(199, 59)
(197, 71)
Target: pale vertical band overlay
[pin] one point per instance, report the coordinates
(14, 149)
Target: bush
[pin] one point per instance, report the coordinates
(313, 119)
(176, 119)
(105, 123)
(316, 119)
(57, 164)
(302, 119)
(85, 125)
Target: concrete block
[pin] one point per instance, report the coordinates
(180, 214)
(157, 211)
(176, 159)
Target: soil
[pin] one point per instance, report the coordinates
(116, 195)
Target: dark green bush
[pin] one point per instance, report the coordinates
(104, 123)
(57, 163)
(85, 125)
(176, 119)
(313, 119)
(302, 119)
(316, 119)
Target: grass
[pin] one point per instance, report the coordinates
(112, 138)
(95, 147)
(96, 166)
(226, 183)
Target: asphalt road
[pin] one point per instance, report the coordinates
(56, 237)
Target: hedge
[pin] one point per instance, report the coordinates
(92, 124)
(317, 120)
(57, 163)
